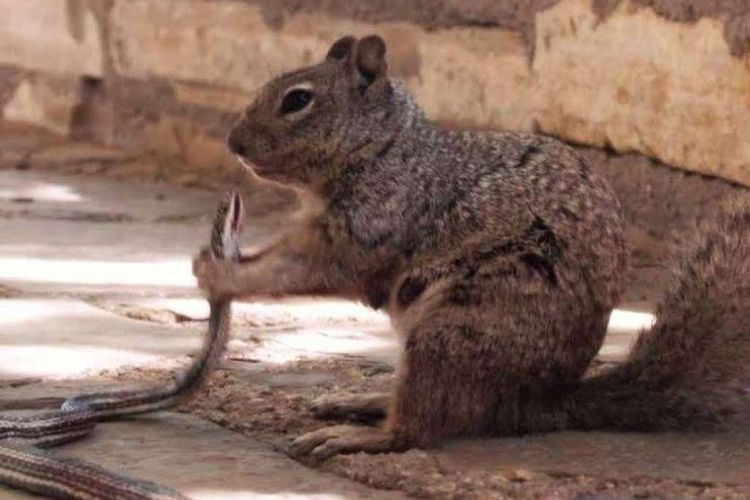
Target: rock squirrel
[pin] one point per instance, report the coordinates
(499, 258)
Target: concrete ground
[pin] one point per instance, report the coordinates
(96, 292)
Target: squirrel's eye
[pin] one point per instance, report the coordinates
(296, 100)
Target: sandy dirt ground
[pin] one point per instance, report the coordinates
(282, 356)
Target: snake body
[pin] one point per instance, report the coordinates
(23, 463)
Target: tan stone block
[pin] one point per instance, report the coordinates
(10, 159)
(638, 82)
(469, 76)
(224, 43)
(220, 98)
(71, 154)
(634, 80)
(204, 152)
(460, 75)
(182, 138)
(142, 169)
(185, 149)
(44, 101)
(50, 35)
(475, 77)
(22, 140)
(161, 137)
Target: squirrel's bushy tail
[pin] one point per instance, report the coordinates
(692, 368)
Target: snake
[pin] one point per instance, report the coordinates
(24, 462)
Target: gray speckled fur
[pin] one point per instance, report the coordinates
(499, 257)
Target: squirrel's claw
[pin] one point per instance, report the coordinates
(324, 443)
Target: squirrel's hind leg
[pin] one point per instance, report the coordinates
(445, 388)
(449, 382)
(457, 378)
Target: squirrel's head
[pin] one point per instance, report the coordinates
(305, 122)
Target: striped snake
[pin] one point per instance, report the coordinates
(24, 465)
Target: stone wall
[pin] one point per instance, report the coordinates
(667, 79)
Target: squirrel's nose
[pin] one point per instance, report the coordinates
(235, 144)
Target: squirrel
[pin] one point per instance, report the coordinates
(498, 256)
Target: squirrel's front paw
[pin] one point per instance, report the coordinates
(217, 278)
(329, 441)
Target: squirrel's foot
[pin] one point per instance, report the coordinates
(324, 443)
(365, 407)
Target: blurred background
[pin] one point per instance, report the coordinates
(113, 118)
(668, 79)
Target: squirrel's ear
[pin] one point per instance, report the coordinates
(370, 59)
(342, 48)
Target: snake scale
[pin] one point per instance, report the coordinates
(24, 464)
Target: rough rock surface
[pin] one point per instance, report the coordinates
(42, 35)
(666, 79)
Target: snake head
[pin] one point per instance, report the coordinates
(236, 213)
(227, 227)
(233, 222)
